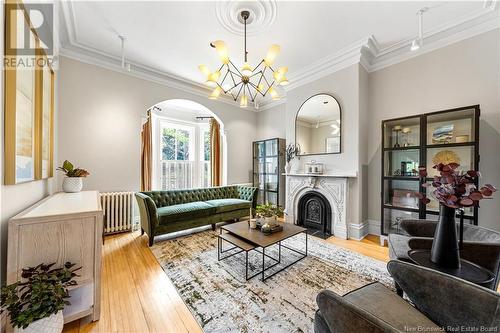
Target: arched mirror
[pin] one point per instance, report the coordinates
(318, 126)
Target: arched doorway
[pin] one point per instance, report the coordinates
(181, 155)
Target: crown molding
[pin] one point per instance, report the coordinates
(346, 57)
(480, 21)
(366, 52)
(72, 48)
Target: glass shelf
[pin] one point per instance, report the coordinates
(451, 127)
(394, 217)
(401, 162)
(401, 193)
(462, 155)
(448, 136)
(402, 132)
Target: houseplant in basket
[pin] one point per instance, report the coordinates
(73, 181)
(454, 190)
(35, 303)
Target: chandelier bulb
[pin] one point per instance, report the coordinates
(244, 101)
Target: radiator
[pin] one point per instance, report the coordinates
(118, 209)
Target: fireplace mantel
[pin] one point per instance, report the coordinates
(333, 186)
(334, 175)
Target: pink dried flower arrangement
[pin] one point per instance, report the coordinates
(455, 189)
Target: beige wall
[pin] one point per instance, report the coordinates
(270, 123)
(461, 74)
(100, 121)
(344, 85)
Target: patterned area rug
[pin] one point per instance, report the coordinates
(222, 301)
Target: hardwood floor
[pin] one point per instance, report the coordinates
(137, 296)
(368, 246)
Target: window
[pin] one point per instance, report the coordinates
(184, 155)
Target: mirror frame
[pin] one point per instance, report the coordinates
(340, 134)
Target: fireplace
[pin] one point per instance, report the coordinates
(315, 214)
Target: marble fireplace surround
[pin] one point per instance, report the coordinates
(333, 186)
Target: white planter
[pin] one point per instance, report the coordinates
(52, 324)
(72, 184)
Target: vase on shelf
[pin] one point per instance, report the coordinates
(445, 249)
(288, 167)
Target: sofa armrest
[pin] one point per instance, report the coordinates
(419, 228)
(446, 300)
(248, 193)
(148, 214)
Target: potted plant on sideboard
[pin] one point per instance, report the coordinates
(454, 190)
(73, 182)
(35, 303)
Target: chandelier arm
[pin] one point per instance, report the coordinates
(236, 68)
(224, 79)
(260, 63)
(239, 91)
(269, 85)
(272, 84)
(237, 84)
(256, 91)
(254, 74)
(232, 77)
(260, 79)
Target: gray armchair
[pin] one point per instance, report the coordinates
(440, 301)
(481, 245)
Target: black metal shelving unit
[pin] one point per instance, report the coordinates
(429, 137)
(268, 169)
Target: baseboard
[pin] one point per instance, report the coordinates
(358, 231)
(374, 227)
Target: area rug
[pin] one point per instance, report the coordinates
(222, 301)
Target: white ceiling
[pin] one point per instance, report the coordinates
(174, 37)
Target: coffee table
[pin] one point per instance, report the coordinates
(246, 239)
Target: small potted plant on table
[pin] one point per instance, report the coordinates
(267, 214)
(35, 304)
(73, 182)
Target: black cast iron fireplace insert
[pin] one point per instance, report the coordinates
(315, 213)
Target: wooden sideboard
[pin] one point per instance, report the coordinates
(62, 227)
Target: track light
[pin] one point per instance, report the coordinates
(419, 42)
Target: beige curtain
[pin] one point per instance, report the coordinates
(146, 155)
(215, 153)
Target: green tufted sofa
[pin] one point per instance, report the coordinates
(163, 212)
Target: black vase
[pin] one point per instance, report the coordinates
(444, 250)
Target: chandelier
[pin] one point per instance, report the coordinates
(247, 82)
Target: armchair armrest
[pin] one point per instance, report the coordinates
(419, 228)
(342, 316)
(446, 300)
(147, 212)
(248, 193)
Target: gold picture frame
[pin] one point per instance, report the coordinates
(28, 105)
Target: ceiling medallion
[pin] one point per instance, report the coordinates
(262, 16)
(248, 82)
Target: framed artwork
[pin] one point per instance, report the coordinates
(28, 103)
(443, 134)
